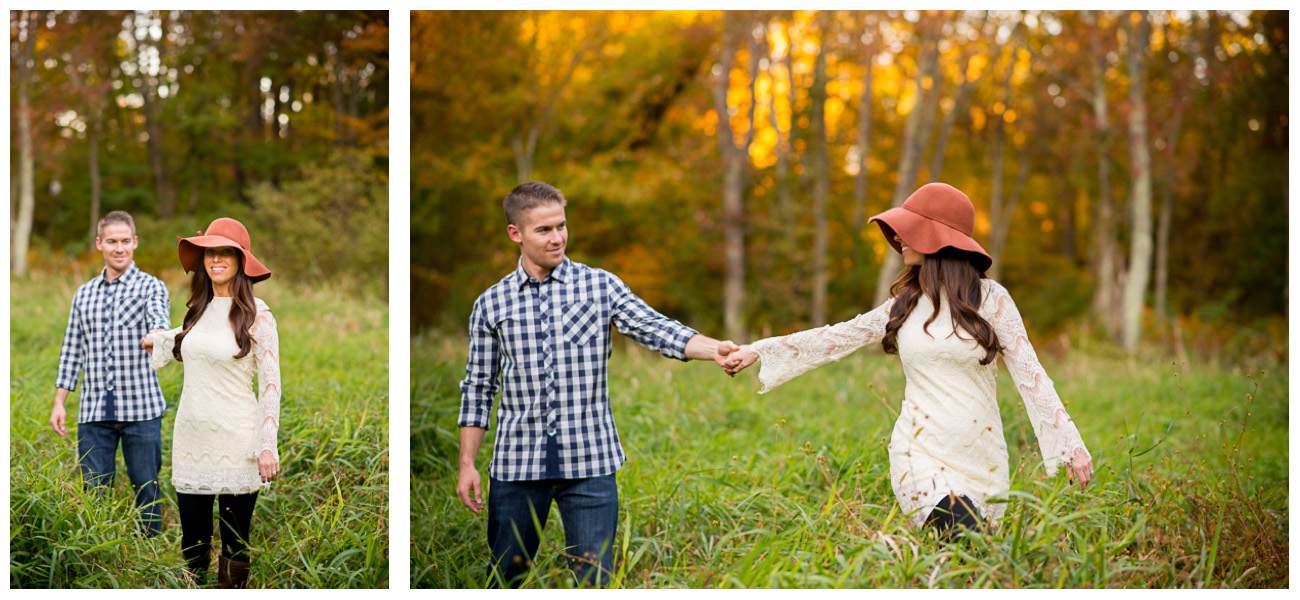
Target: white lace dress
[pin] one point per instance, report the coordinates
(948, 437)
(221, 425)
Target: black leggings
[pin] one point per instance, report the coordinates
(953, 513)
(235, 518)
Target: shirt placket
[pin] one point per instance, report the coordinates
(110, 304)
(545, 309)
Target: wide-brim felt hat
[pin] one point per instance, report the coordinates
(221, 232)
(934, 217)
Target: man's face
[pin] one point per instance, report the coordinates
(118, 246)
(542, 236)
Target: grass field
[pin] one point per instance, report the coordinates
(726, 488)
(323, 525)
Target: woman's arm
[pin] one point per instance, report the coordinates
(790, 356)
(1058, 437)
(266, 351)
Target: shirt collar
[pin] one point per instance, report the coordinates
(125, 277)
(559, 273)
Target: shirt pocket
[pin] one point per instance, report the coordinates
(133, 310)
(581, 322)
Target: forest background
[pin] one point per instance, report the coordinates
(1129, 169)
(278, 119)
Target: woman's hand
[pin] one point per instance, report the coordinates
(1080, 468)
(738, 360)
(268, 466)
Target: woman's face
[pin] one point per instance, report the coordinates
(221, 264)
(911, 257)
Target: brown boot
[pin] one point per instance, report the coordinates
(231, 574)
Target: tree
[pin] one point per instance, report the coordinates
(1139, 271)
(24, 43)
(917, 122)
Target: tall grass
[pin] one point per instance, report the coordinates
(324, 524)
(726, 488)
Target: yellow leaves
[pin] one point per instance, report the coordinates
(978, 118)
(707, 123)
(1038, 207)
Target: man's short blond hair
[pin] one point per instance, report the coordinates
(527, 196)
(117, 216)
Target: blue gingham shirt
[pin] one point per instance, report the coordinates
(547, 344)
(105, 325)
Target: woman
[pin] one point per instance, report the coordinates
(224, 442)
(947, 323)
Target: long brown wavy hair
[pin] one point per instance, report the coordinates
(960, 280)
(243, 309)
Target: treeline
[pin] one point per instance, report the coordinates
(180, 116)
(1128, 167)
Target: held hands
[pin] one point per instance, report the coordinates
(146, 342)
(739, 359)
(1080, 468)
(470, 489)
(268, 467)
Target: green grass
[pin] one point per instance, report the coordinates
(726, 488)
(323, 525)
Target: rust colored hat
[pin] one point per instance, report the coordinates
(934, 217)
(221, 232)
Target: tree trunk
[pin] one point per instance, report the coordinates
(864, 153)
(1139, 271)
(732, 180)
(785, 206)
(27, 178)
(152, 111)
(909, 161)
(963, 92)
(1103, 238)
(821, 175)
(96, 125)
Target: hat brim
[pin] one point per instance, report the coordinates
(191, 254)
(928, 236)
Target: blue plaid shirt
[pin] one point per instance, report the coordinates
(548, 344)
(107, 320)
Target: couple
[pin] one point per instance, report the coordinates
(224, 441)
(542, 334)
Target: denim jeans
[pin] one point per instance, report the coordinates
(588, 508)
(141, 450)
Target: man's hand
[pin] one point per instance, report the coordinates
(738, 360)
(58, 419)
(267, 466)
(1080, 469)
(470, 489)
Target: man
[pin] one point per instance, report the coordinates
(120, 401)
(544, 332)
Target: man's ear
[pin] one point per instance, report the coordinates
(98, 245)
(515, 235)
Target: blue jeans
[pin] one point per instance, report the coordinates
(141, 450)
(588, 508)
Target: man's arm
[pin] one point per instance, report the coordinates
(470, 484)
(69, 370)
(646, 326)
(159, 308)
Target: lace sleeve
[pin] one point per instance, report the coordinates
(786, 357)
(266, 351)
(164, 344)
(1058, 437)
